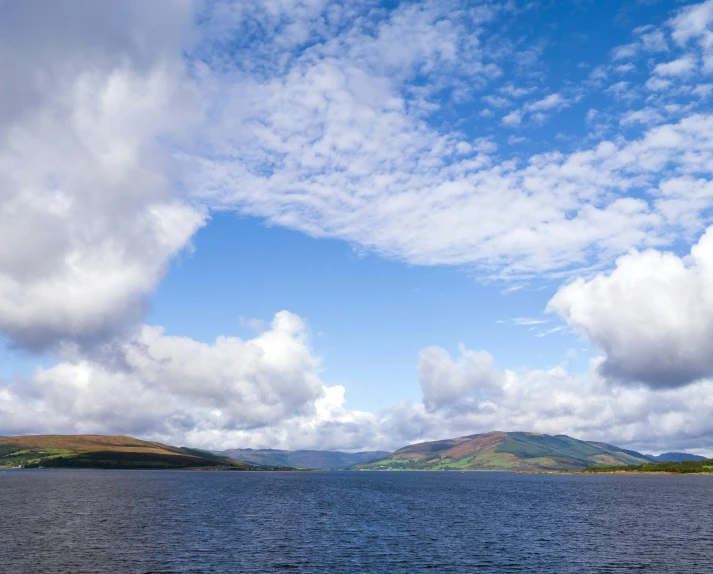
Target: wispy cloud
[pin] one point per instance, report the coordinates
(529, 321)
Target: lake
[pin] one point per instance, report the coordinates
(74, 521)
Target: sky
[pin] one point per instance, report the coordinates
(357, 225)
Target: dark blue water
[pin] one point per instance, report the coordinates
(145, 521)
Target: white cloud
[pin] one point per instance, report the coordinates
(646, 116)
(528, 321)
(516, 91)
(496, 101)
(692, 22)
(328, 425)
(556, 401)
(333, 146)
(372, 174)
(680, 67)
(266, 392)
(696, 23)
(513, 119)
(152, 384)
(654, 41)
(456, 386)
(621, 90)
(649, 40)
(333, 140)
(657, 84)
(652, 315)
(88, 219)
(625, 68)
(624, 52)
(703, 90)
(598, 73)
(551, 102)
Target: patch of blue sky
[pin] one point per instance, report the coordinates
(369, 316)
(15, 363)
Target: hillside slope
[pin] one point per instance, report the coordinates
(521, 451)
(322, 459)
(98, 451)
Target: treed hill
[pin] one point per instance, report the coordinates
(98, 451)
(322, 459)
(704, 466)
(521, 451)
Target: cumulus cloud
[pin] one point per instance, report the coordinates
(260, 392)
(652, 315)
(88, 219)
(167, 386)
(692, 22)
(646, 116)
(654, 41)
(458, 386)
(267, 392)
(695, 24)
(624, 52)
(327, 425)
(556, 401)
(513, 119)
(551, 102)
(679, 67)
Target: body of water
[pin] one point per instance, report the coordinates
(73, 521)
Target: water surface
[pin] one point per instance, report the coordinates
(74, 521)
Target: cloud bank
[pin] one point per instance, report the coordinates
(88, 210)
(151, 383)
(266, 392)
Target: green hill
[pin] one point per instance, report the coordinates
(520, 451)
(111, 452)
(321, 459)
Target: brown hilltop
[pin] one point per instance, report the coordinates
(100, 451)
(89, 443)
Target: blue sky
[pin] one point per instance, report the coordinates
(351, 225)
(369, 316)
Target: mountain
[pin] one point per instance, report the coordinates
(98, 451)
(324, 459)
(522, 451)
(676, 457)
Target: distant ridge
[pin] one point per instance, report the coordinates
(108, 452)
(522, 451)
(321, 459)
(676, 457)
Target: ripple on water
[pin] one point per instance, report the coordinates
(348, 522)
